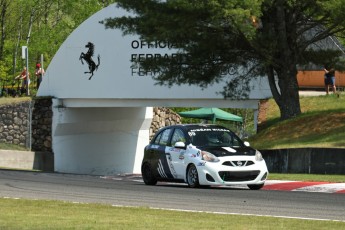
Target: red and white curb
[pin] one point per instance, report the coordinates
(305, 186)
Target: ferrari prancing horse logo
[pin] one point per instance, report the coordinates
(87, 57)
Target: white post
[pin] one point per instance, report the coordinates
(42, 62)
(27, 71)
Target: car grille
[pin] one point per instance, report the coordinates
(238, 176)
(238, 163)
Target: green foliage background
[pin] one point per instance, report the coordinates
(244, 129)
(42, 26)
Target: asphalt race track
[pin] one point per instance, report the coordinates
(131, 191)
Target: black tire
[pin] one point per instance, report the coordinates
(192, 177)
(147, 174)
(255, 186)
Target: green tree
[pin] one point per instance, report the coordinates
(247, 38)
(42, 25)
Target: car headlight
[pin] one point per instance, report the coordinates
(258, 156)
(207, 156)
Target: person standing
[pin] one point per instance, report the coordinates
(25, 77)
(39, 74)
(330, 80)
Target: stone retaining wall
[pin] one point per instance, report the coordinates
(42, 125)
(27, 124)
(163, 117)
(14, 123)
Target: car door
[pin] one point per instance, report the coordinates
(164, 166)
(177, 154)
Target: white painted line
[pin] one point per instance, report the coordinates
(244, 214)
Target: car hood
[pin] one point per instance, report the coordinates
(229, 151)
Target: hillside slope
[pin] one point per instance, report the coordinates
(321, 124)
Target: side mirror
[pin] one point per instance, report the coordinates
(180, 145)
(246, 143)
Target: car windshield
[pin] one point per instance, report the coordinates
(219, 137)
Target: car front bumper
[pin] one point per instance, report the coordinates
(235, 173)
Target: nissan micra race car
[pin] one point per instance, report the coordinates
(202, 155)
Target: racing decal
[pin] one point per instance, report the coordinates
(201, 164)
(181, 152)
(229, 149)
(191, 133)
(165, 167)
(161, 170)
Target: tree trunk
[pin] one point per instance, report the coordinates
(31, 21)
(4, 7)
(289, 100)
(284, 67)
(286, 93)
(16, 48)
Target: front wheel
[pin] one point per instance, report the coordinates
(255, 186)
(192, 177)
(147, 174)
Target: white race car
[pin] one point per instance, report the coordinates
(202, 155)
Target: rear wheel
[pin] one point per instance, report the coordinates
(192, 177)
(147, 174)
(255, 186)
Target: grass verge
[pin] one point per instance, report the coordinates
(13, 100)
(321, 125)
(29, 214)
(8, 146)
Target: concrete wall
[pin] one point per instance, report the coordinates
(99, 141)
(27, 160)
(104, 141)
(305, 160)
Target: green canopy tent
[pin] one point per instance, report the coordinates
(211, 114)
